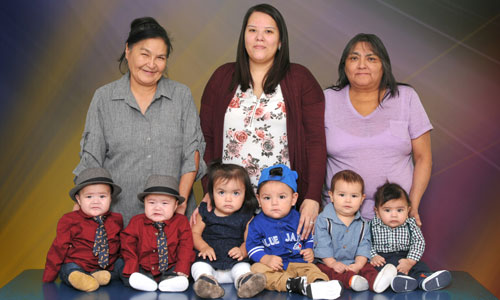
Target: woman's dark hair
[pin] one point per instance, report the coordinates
(281, 62)
(218, 171)
(387, 82)
(145, 28)
(390, 191)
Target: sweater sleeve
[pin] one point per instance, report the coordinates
(313, 110)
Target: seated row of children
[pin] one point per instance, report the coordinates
(158, 249)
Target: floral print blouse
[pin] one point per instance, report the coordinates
(255, 132)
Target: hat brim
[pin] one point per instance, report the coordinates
(116, 189)
(142, 195)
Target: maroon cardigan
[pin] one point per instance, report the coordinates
(305, 108)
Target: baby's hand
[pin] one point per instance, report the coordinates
(207, 252)
(236, 253)
(377, 261)
(307, 254)
(405, 265)
(339, 267)
(354, 267)
(272, 261)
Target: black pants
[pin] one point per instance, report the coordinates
(416, 271)
(120, 264)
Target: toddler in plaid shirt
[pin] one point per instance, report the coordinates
(396, 239)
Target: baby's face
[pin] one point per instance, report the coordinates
(276, 199)
(228, 196)
(159, 207)
(394, 212)
(347, 197)
(94, 199)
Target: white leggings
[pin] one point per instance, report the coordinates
(222, 276)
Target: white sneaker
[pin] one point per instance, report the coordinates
(142, 282)
(324, 289)
(174, 284)
(384, 278)
(358, 283)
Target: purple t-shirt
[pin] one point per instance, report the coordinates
(377, 146)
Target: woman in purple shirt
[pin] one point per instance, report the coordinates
(376, 126)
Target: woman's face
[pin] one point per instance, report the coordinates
(147, 60)
(363, 67)
(262, 38)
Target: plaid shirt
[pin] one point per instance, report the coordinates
(406, 237)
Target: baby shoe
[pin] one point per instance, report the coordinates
(207, 287)
(83, 282)
(403, 283)
(250, 284)
(436, 281)
(142, 282)
(174, 284)
(384, 278)
(358, 283)
(102, 276)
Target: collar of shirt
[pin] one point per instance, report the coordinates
(81, 213)
(122, 91)
(284, 219)
(335, 218)
(377, 221)
(148, 221)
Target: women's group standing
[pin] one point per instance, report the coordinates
(257, 112)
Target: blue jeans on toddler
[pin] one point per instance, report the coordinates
(66, 269)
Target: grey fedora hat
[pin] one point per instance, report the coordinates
(161, 184)
(94, 176)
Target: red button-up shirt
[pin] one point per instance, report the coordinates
(139, 245)
(75, 240)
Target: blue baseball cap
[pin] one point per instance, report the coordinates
(280, 173)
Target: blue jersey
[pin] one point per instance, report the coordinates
(276, 237)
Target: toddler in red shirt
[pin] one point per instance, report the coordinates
(157, 246)
(88, 240)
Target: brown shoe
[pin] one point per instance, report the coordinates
(83, 282)
(102, 276)
(250, 284)
(207, 287)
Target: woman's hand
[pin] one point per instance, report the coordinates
(414, 214)
(207, 252)
(194, 215)
(308, 213)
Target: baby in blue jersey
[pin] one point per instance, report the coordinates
(275, 246)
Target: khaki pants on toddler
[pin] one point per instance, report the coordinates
(276, 280)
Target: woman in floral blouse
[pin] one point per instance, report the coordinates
(263, 110)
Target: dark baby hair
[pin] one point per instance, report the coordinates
(349, 177)
(390, 191)
(219, 171)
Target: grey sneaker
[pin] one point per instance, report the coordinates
(403, 283)
(297, 285)
(436, 281)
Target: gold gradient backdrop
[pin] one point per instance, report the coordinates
(55, 54)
